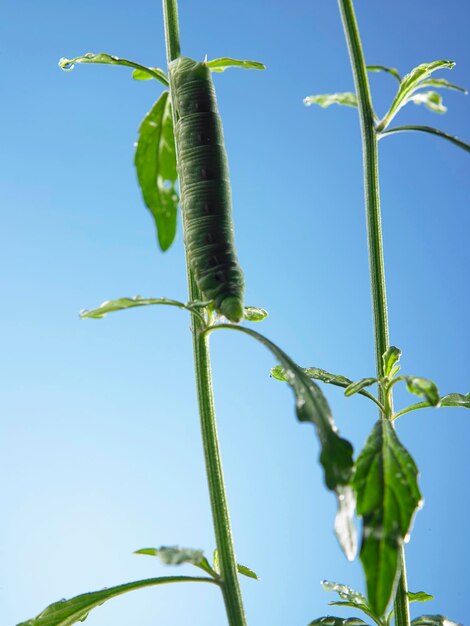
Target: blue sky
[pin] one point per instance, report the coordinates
(99, 446)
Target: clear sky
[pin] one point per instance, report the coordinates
(99, 446)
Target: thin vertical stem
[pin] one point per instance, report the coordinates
(374, 233)
(172, 30)
(217, 493)
(371, 182)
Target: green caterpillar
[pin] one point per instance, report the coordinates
(205, 188)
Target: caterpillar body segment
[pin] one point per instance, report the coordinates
(205, 188)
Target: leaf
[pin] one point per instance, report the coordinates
(349, 597)
(382, 68)
(456, 399)
(332, 379)
(358, 386)
(419, 596)
(386, 485)
(409, 85)
(442, 83)
(174, 555)
(242, 569)
(155, 162)
(246, 571)
(345, 529)
(277, 372)
(108, 59)
(311, 406)
(346, 593)
(431, 100)
(110, 306)
(329, 620)
(424, 388)
(68, 612)
(148, 73)
(390, 359)
(433, 620)
(327, 99)
(316, 373)
(220, 65)
(255, 314)
(325, 377)
(427, 129)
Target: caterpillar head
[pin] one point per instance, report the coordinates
(231, 307)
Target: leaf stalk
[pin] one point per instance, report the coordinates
(430, 130)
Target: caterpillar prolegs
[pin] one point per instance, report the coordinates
(205, 188)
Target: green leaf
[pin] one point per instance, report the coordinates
(433, 620)
(316, 373)
(424, 388)
(255, 314)
(110, 306)
(174, 555)
(68, 612)
(277, 372)
(325, 100)
(430, 130)
(325, 377)
(246, 571)
(409, 85)
(242, 569)
(332, 379)
(329, 620)
(456, 399)
(349, 597)
(386, 485)
(148, 73)
(311, 406)
(451, 400)
(383, 68)
(442, 83)
(108, 59)
(431, 100)
(347, 593)
(419, 596)
(220, 65)
(155, 162)
(358, 386)
(390, 359)
(345, 530)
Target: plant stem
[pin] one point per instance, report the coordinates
(220, 514)
(374, 233)
(371, 182)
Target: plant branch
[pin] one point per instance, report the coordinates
(427, 129)
(220, 514)
(374, 231)
(412, 407)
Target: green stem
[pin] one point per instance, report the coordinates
(220, 514)
(402, 605)
(371, 183)
(374, 232)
